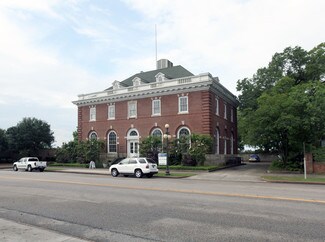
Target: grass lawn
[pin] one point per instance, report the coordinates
(174, 174)
(295, 179)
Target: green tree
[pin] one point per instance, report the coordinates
(3, 143)
(151, 146)
(80, 151)
(29, 136)
(200, 146)
(281, 104)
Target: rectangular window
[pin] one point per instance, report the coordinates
(232, 115)
(92, 114)
(225, 113)
(156, 107)
(217, 106)
(111, 111)
(132, 109)
(183, 104)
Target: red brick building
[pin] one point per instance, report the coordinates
(142, 104)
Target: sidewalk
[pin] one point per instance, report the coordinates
(12, 231)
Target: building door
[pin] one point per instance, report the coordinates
(133, 143)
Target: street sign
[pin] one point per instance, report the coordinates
(162, 159)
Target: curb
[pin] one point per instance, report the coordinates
(293, 182)
(105, 174)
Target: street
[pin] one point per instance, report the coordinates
(103, 208)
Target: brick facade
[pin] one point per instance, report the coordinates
(201, 117)
(312, 166)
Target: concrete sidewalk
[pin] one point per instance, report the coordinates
(12, 231)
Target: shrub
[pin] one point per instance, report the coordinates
(319, 154)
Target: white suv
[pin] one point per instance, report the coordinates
(137, 166)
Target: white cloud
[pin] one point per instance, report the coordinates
(51, 51)
(231, 39)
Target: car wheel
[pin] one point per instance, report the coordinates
(138, 173)
(15, 168)
(149, 175)
(114, 173)
(29, 168)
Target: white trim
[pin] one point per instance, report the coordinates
(217, 140)
(186, 104)
(153, 107)
(109, 117)
(108, 144)
(91, 133)
(92, 113)
(225, 111)
(132, 113)
(217, 106)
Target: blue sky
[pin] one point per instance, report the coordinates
(51, 51)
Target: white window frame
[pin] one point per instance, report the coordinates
(156, 111)
(217, 140)
(92, 113)
(91, 134)
(111, 112)
(225, 111)
(217, 106)
(232, 114)
(180, 105)
(132, 109)
(108, 142)
(225, 146)
(189, 134)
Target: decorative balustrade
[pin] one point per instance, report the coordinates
(144, 87)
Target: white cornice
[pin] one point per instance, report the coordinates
(189, 84)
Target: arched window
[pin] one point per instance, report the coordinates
(183, 132)
(112, 143)
(157, 133)
(133, 133)
(93, 135)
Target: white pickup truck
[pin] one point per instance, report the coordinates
(29, 164)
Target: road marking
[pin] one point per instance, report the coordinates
(172, 190)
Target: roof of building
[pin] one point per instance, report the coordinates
(149, 76)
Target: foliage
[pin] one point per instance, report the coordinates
(279, 165)
(319, 154)
(151, 146)
(29, 136)
(186, 150)
(200, 145)
(192, 168)
(3, 142)
(81, 152)
(281, 105)
(69, 165)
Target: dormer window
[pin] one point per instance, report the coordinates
(160, 77)
(116, 85)
(136, 81)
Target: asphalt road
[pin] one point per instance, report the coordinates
(102, 208)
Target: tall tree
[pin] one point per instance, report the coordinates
(3, 142)
(29, 136)
(281, 106)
